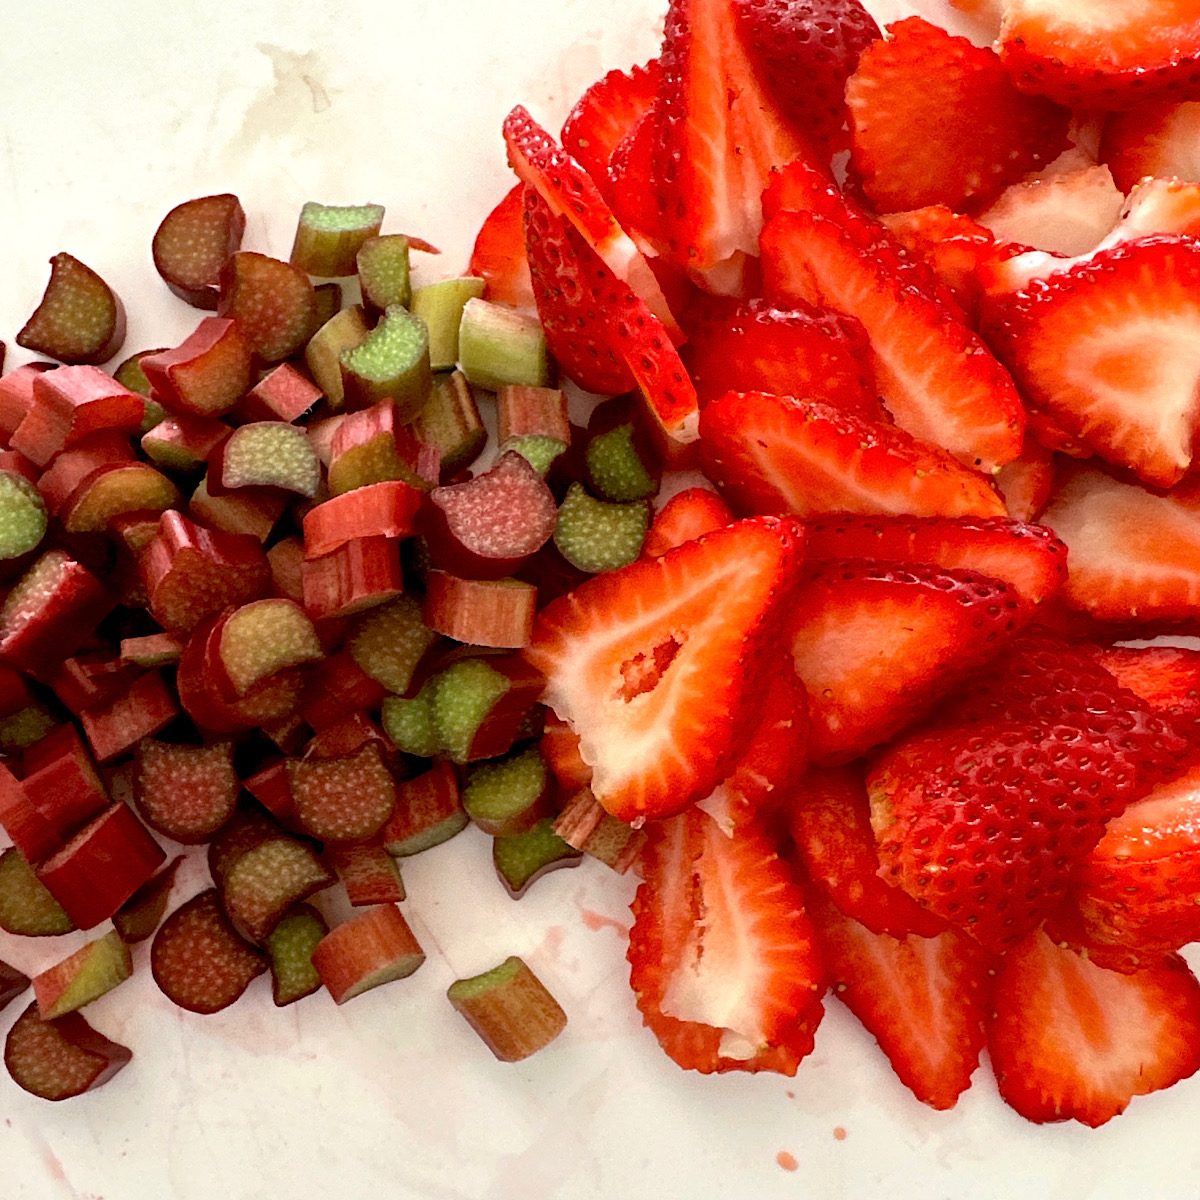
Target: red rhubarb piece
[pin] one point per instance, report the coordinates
(184, 440)
(370, 949)
(83, 976)
(368, 873)
(251, 511)
(61, 1058)
(152, 650)
(281, 395)
(480, 612)
(64, 792)
(266, 880)
(207, 373)
(346, 799)
(428, 811)
(145, 708)
(139, 916)
(113, 490)
(386, 509)
(260, 639)
(12, 984)
(265, 454)
(372, 445)
(272, 302)
(185, 792)
(16, 394)
(192, 243)
(339, 686)
(73, 466)
(510, 1009)
(80, 318)
(358, 575)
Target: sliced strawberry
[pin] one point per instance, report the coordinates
(1160, 138)
(829, 819)
(607, 113)
(722, 956)
(688, 514)
(1106, 350)
(878, 644)
(655, 665)
(499, 252)
(1071, 1041)
(925, 999)
(805, 51)
(1029, 558)
(936, 120)
(1027, 482)
(780, 454)
(803, 351)
(1102, 56)
(1166, 677)
(935, 375)
(630, 165)
(719, 137)
(1134, 556)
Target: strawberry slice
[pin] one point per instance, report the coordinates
(805, 50)
(749, 346)
(780, 454)
(655, 665)
(1027, 482)
(1134, 556)
(630, 165)
(829, 819)
(936, 120)
(925, 999)
(719, 137)
(1160, 138)
(688, 514)
(607, 113)
(722, 955)
(1071, 1041)
(877, 644)
(1101, 56)
(1166, 677)
(1106, 350)
(572, 194)
(499, 252)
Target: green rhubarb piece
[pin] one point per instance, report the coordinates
(440, 305)
(615, 467)
(539, 450)
(267, 880)
(408, 721)
(505, 796)
(328, 236)
(323, 354)
(79, 320)
(22, 515)
(596, 535)
(289, 947)
(450, 421)
(26, 905)
(21, 729)
(463, 695)
(153, 414)
(510, 1009)
(130, 374)
(329, 301)
(271, 454)
(389, 641)
(383, 271)
(140, 915)
(391, 363)
(166, 452)
(522, 858)
(498, 345)
(83, 976)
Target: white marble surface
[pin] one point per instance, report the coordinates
(109, 116)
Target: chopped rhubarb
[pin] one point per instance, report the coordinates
(428, 811)
(192, 243)
(481, 612)
(113, 490)
(80, 318)
(261, 638)
(345, 737)
(185, 792)
(12, 984)
(184, 441)
(130, 374)
(26, 906)
(499, 346)
(151, 650)
(58, 1059)
(371, 445)
(272, 302)
(339, 686)
(283, 394)
(323, 353)
(265, 454)
(408, 722)
(329, 236)
(368, 873)
(266, 880)
(479, 705)
(510, 1009)
(252, 511)
(101, 449)
(346, 799)
(145, 708)
(198, 960)
(440, 305)
(372, 948)
(389, 642)
(270, 787)
(450, 423)
(24, 727)
(83, 976)
(596, 535)
(16, 394)
(207, 373)
(249, 827)
(140, 915)
(383, 271)
(533, 422)
(622, 463)
(57, 796)
(523, 858)
(509, 795)
(386, 509)
(390, 363)
(584, 824)
(290, 946)
(358, 575)
(285, 559)
(22, 516)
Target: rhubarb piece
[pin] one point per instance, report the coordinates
(129, 374)
(339, 686)
(428, 811)
(12, 984)
(114, 490)
(585, 825)
(249, 827)
(509, 795)
(185, 792)
(192, 244)
(147, 707)
(252, 511)
(595, 535)
(368, 873)
(385, 509)
(408, 722)
(510, 1009)
(272, 302)
(53, 609)
(480, 704)
(26, 905)
(152, 650)
(481, 612)
(16, 394)
(14, 692)
(207, 373)
(184, 441)
(489, 526)
(58, 1059)
(21, 729)
(498, 346)
(197, 959)
(372, 948)
(83, 976)
(451, 424)
(323, 353)
(345, 737)
(265, 454)
(388, 642)
(371, 446)
(281, 395)
(533, 422)
(262, 638)
(139, 916)
(80, 318)
(622, 464)
(329, 236)
(60, 793)
(521, 859)
(72, 467)
(190, 572)
(271, 789)
(440, 305)
(383, 272)
(358, 575)
(290, 946)
(22, 515)
(390, 363)
(101, 866)
(347, 799)
(285, 559)
(266, 880)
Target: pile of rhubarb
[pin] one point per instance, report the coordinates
(845, 386)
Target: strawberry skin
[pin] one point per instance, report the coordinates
(936, 120)
(1069, 1040)
(1106, 349)
(1166, 677)
(776, 454)
(605, 114)
(655, 665)
(499, 253)
(1159, 138)
(739, 987)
